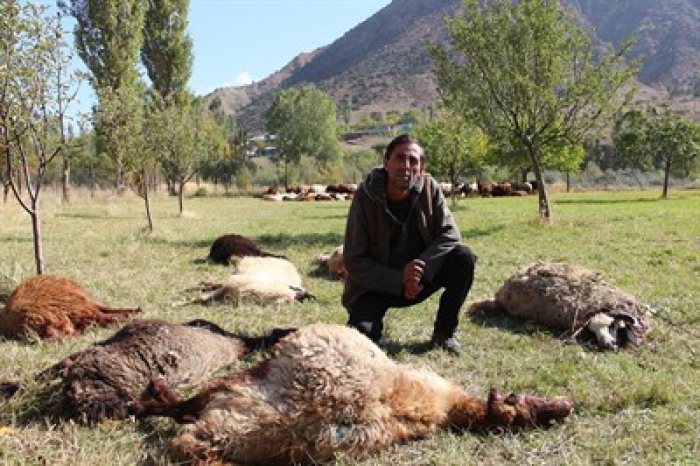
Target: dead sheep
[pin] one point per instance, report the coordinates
(332, 263)
(570, 298)
(262, 280)
(226, 247)
(47, 306)
(102, 381)
(328, 390)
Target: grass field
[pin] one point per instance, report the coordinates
(633, 407)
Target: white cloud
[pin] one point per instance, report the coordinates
(243, 78)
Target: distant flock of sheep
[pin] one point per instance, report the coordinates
(345, 191)
(323, 389)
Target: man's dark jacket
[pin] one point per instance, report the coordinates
(378, 246)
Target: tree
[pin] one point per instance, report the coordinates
(453, 147)
(121, 115)
(236, 165)
(108, 36)
(167, 49)
(185, 136)
(658, 136)
(304, 121)
(526, 72)
(36, 90)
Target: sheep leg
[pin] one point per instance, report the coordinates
(217, 292)
(165, 402)
(513, 411)
(117, 310)
(102, 318)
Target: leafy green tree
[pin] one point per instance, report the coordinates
(304, 121)
(36, 90)
(167, 49)
(108, 36)
(412, 116)
(358, 162)
(527, 72)
(122, 115)
(643, 139)
(453, 146)
(235, 165)
(185, 137)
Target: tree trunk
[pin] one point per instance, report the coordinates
(36, 231)
(453, 179)
(65, 180)
(181, 196)
(147, 202)
(544, 207)
(286, 175)
(667, 177)
(120, 180)
(568, 181)
(92, 181)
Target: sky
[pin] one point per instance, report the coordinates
(237, 42)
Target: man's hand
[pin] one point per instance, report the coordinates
(412, 275)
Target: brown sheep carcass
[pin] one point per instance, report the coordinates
(48, 306)
(329, 390)
(573, 299)
(102, 381)
(227, 247)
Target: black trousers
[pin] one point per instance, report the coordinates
(456, 276)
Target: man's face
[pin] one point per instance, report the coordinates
(404, 166)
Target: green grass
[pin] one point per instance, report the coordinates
(633, 407)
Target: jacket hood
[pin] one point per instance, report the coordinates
(375, 185)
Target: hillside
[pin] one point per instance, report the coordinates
(383, 64)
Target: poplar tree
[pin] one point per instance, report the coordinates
(108, 37)
(167, 49)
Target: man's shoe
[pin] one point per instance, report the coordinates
(451, 345)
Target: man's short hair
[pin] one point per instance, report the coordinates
(397, 141)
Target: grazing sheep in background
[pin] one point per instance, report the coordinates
(568, 297)
(48, 306)
(265, 280)
(227, 246)
(273, 197)
(100, 382)
(327, 389)
(333, 263)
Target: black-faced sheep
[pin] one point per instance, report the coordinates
(327, 389)
(333, 263)
(226, 247)
(102, 381)
(264, 280)
(48, 306)
(570, 298)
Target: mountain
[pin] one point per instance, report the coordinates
(383, 64)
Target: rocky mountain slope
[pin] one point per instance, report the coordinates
(383, 64)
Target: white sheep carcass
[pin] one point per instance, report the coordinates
(328, 390)
(570, 298)
(262, 280)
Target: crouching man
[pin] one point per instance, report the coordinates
(402, 245)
